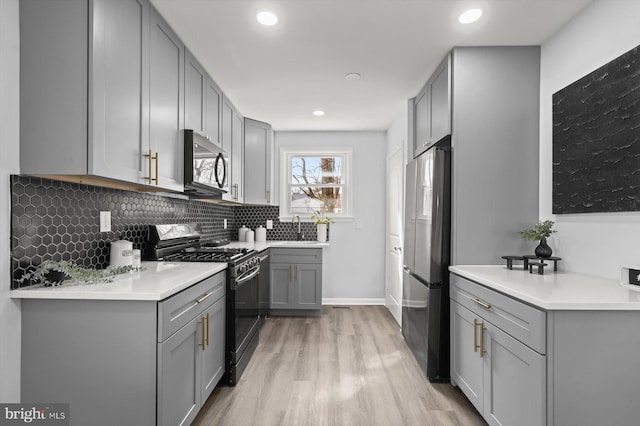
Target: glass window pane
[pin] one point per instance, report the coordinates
(304, 200)
(316, 170)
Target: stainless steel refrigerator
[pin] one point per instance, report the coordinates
(427, 247)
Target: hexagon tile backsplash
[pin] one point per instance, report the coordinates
(54, 220)
(60, 221)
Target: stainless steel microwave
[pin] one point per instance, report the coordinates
(206, 167)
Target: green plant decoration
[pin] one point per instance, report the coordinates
(319, 217)
(540, 231)
(52, 273)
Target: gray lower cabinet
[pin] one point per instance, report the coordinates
(520, 365)
(126, 362)
(494, 351)
(504, 379)
(296, 280)
(190, 365)
(258, 148)
(110, 96)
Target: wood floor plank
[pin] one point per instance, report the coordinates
(348, 367)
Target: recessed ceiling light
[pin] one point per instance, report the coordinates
(470, 16)
(352, 76)
(267, 18)
(318, 113)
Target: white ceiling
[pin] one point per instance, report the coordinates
(281, 74)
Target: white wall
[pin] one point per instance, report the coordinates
(9, 159)
(594, 244)
(353, 269)
(397, 133)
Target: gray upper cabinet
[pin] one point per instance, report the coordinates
(119, 111)
(166, 107)
(104, 100)
(203, 99)
(237, 158)
(195, 92)
(232, 142)
(432, 108)
(257, 162)
(213, 115)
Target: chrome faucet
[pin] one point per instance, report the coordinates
(299, 235)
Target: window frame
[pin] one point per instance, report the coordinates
(287, 153)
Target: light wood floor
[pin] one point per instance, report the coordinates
(348, 367)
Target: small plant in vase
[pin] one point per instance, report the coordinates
(322, 223)
(540, 232)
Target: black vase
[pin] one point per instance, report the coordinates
(543, 250)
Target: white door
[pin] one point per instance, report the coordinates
(393, 282)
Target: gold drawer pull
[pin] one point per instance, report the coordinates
(203, 298)
(481, 303)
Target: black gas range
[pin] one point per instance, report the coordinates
(182, 243)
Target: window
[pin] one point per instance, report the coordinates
(315, 180)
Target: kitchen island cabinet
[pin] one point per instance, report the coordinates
(560, 348)
(146, 349)
(106, 108)
(296, 281)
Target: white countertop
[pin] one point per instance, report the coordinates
(554, 290)
(261, 246)
(158, 281)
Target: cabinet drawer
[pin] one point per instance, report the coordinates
(295, 255)
(178, 310)
(525, 323)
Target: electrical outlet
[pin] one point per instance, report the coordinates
(269, 224)
(105, 221)
(224, 223)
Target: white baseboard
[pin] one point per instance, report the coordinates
(355, 301)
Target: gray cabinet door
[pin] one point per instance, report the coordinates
(421, 122)
(212, 365)
(227, 142)
(213, 112)
(281, 276)
(466, 363)
(166, 119)
(307, 286)
(179, 377)
(119, 128)
(195, 89)
(440, 101)
(237, 157)
(514, 381)
(257, 162)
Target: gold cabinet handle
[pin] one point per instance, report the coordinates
(479, 345)
(476, 346)
(203, 344)
(268, 196)
(206, 335)
(203, 298)
(157, 168)
(151, 158)
(235, 187)
(425, 143)
(481, 303)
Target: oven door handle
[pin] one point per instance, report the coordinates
(245, 277)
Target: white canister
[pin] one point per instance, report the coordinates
(261, 234)
(121, 253)
(249, 236)
(241, 233)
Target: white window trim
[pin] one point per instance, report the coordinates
(286, 152)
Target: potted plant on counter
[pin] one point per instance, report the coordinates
(322, 223)
(540, 232)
